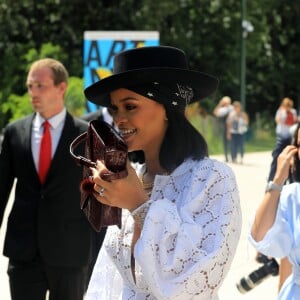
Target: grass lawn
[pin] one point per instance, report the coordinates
(262, 141)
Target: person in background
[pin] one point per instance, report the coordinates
(237, 126)
(285, 118)
(101, 114)
(274, 230)
(221, 111)
(181, 217)
(48, 238)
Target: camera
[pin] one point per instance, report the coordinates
(270, 267)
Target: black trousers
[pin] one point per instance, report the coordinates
(31, 281)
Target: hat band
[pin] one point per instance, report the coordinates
(173, 95)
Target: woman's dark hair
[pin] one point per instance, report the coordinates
(295, 169)
(181, 141)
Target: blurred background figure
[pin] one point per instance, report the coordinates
(101, 114)
(222, 111)
(285, 118)
(237, 126)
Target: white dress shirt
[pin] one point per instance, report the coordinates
(57, 124)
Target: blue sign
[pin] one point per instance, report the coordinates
(100, 47)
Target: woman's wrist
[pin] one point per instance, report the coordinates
(279, 180)
(273, 186)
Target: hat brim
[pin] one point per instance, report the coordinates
(203, 84)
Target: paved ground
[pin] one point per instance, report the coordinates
(251, 177)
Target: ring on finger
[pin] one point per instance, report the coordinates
(101, 191)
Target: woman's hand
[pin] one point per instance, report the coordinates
(124, 193)
(284, 162)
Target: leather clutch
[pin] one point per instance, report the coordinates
(102, 142)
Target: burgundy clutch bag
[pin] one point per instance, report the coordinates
(102, 142)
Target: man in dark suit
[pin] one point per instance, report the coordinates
(48, 238)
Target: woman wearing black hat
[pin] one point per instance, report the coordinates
(181, 214)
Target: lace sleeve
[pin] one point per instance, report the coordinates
(190, 235)
(139, 214)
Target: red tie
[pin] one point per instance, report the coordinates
(45, 152)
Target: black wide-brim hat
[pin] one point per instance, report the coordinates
(157, 72)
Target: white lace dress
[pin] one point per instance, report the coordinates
(187, 243)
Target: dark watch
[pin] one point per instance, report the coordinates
(273, 186)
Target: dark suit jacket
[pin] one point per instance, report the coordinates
(44, 220)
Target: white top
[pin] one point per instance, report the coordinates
(224, 111)
(283, 129)
(238, 122)
(283, 238)
(57, 123)
(187, 242)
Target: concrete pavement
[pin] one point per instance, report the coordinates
(251, 178)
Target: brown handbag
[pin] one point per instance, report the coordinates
(102, 142)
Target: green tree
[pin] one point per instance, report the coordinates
(19, 106)
(208, 30)
(74, 98)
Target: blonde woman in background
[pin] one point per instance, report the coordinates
(237, 126)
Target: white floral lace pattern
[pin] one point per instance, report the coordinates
(187, 243)
(140, 213)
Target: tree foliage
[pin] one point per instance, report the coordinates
(19, 106)
(208, 30)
